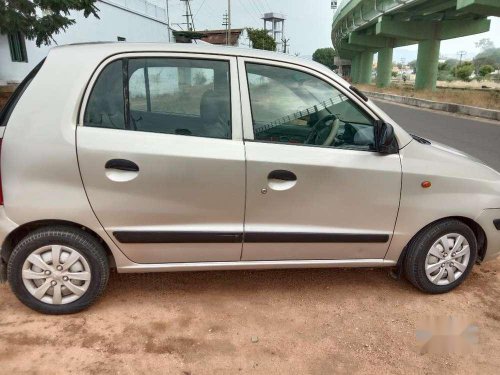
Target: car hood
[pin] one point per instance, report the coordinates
(454, 151)
(480, 168)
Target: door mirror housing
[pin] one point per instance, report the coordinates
(385, 138)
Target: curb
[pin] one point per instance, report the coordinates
(489, 114)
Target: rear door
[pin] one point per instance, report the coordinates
(161, 156)
(316, 188)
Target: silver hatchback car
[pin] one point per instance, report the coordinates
(154, 157)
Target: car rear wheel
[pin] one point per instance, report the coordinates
(441, 256)
(58, 270)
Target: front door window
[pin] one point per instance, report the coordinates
(290, 106)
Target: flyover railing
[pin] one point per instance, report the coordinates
(353, 14)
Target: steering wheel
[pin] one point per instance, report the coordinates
(320, 125)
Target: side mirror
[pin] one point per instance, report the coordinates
(385, 139)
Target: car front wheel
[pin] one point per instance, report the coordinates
(440, 257)
(58, 270)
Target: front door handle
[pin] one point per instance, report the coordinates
(122, 165)
(283, 175)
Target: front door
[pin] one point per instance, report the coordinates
(162, 159)
(316, 188)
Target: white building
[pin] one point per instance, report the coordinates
(119, 20)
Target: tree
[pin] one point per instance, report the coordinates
(20, 16)
(485, 44)
(488, 57)
(485, 70)
(452, 63)
(325, 56)
(413, 66)
(261, 39)
(464, 71)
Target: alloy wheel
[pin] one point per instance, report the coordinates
(56, 274)
(447, 259)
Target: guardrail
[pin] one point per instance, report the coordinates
(142, 7)
(356, 13)
(467, 110)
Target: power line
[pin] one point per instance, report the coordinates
(268, 6)
(258, 12)
(246, 10)
(259, 5)
(201, 6)
(208, 8)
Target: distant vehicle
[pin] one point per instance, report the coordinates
(153, 158)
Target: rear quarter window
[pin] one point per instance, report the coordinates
(14, 99)
(106, 106)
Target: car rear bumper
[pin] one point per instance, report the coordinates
(6, 227)
(487, 220)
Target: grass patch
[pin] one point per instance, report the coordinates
(489, 99)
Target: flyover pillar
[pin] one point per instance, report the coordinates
(427, 64)
(355, 68)
(384, 67)
(365, 67)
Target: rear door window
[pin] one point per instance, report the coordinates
(180, 96)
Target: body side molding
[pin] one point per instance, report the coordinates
(249, 237)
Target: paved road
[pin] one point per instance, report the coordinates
(475, 137)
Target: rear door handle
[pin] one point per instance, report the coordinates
(122, 165)
(283, 175)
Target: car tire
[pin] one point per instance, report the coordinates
(58, 270)
(438, 253)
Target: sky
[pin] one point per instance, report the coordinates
(308, 24)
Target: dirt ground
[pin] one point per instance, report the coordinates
(264, 322)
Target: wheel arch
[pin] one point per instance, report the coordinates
(472, 224)
(23, 230)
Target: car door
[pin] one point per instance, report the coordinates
(161, 156)
(316, 188)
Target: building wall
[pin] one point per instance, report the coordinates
(244, 40)
(114, 21)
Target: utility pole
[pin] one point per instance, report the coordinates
(189, 16)
(225, 23)
(168, 20)
(461, 54)
(286, 44)
(229, 22)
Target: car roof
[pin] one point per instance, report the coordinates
(112, 48)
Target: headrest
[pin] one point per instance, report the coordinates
(214, 105)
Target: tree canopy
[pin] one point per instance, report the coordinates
(485, 44)
(488, 57)
(261, 39)
(464, 71)
(485, 70)
(20, 16)
(325, 56)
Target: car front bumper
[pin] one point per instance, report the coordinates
(486, 220)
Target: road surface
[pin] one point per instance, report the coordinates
(479, 138)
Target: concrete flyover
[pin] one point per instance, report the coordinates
(363, 27)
